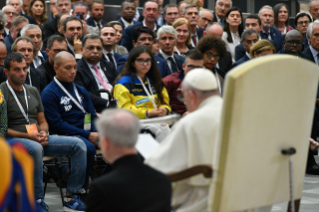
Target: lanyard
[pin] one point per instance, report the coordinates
(146, 91)
(71, 97)
(18, 102)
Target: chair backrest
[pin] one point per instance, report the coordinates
(268, 106)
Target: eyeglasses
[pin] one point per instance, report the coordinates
(303, 22)
(91, 48)
(210, 56)
(251, 41)
(292, 42)
(8, 13)
(58, 50)
(142, 62)
(192, 66)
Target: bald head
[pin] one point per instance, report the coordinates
(293, 33)
(215, 29)
(65, 67)
(3, 53)
(62, 18)
(293, 42)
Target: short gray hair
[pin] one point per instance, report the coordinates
(265, 7)
(189, 6)
(121, 127)
(168, 30)
(310, 28)
(14, 45)
(18, 20)
(56, 2)
(231, 2)
(310, 3)
(246, 33)
(203, 10)
(7, 2)
(80, 3)
(27, 27)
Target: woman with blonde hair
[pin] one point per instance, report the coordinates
(38, 10)
(261, 48)
(183, 43)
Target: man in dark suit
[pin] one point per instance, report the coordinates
(313, 50)
(16, 25)
(56, 44)
(131, 185)
(17, 4)
(51, 27)
(251, 22)
(93, 73)
(34, 32)
(266, 14)
(35, 78)
(96, 14)
(150, 13)
(248, 39)
(293, 45)
(128, 10)
(108, 35)
(145, 36)
(221, 8)
(190, 12)
(167, 37)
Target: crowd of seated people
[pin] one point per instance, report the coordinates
(58, 74)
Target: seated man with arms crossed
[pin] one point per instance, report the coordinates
(27, 124)
(68, 107)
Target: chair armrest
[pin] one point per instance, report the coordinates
(206, 170)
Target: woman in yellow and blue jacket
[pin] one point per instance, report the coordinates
(139, 87)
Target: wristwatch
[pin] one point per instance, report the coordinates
(47, 132)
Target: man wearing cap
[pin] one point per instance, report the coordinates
(191, 141)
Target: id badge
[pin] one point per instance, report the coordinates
(32, 128)
(87, 121)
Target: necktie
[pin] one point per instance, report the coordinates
(194, 40)
(98, 25)
(109, 55)
(100, 78)
(173, 65)
(222, 22)
(267, 35)
(27, 80)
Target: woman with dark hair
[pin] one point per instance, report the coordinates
(281, 15)
(37, 10)
(213, 50)
(139, 87)
(233, 29)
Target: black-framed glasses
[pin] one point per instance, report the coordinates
(142, 62)
(58, 50)
(210, 56)
(292, 42)
(189, 66)
(303, 22)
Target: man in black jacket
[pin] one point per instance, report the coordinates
(93, 73)
(131, 185)
(56, 44)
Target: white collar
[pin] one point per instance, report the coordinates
(248, 55)
(154, 29)
(126, 24)
(90, 65)
(97, 23)
(313, 51)
(106, 52)
(165, 55)
(7, 30)
(40, 54)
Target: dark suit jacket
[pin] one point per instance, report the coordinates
(116, 56)
(50, 28)
(8, 41)
(309, 53)
(85, 78)
(240, 52)
(128, 33)
(3, 76)
(38, 79)
(91, 22)
(244, 59)
(45, 41)
(161, 65)
(226, 63)
(179, 60)
(48, 69)
(302, 55)
(30, 18)
(276, 38)
(131, 186)
(120, 20)
(200, 33)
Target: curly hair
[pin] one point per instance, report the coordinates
(209, 42)
(153, 72)
(43, 17)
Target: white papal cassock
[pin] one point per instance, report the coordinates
(191, 142)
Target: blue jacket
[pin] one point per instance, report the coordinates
(62, 115)
(91, 22)
(128, 34)
(302, 55)
(161, 65)
(179, 60)
(309, 53)
(123, 25)
(244, 59)
(117, 56)
(239, 52)
(8, 41)
(276, 38)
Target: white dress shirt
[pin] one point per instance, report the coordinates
(231, 46)
(126, 24)
(107, 57)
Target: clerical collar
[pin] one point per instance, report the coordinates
(154, 29)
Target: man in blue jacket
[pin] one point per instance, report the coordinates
(145, 36)
(68, 107)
